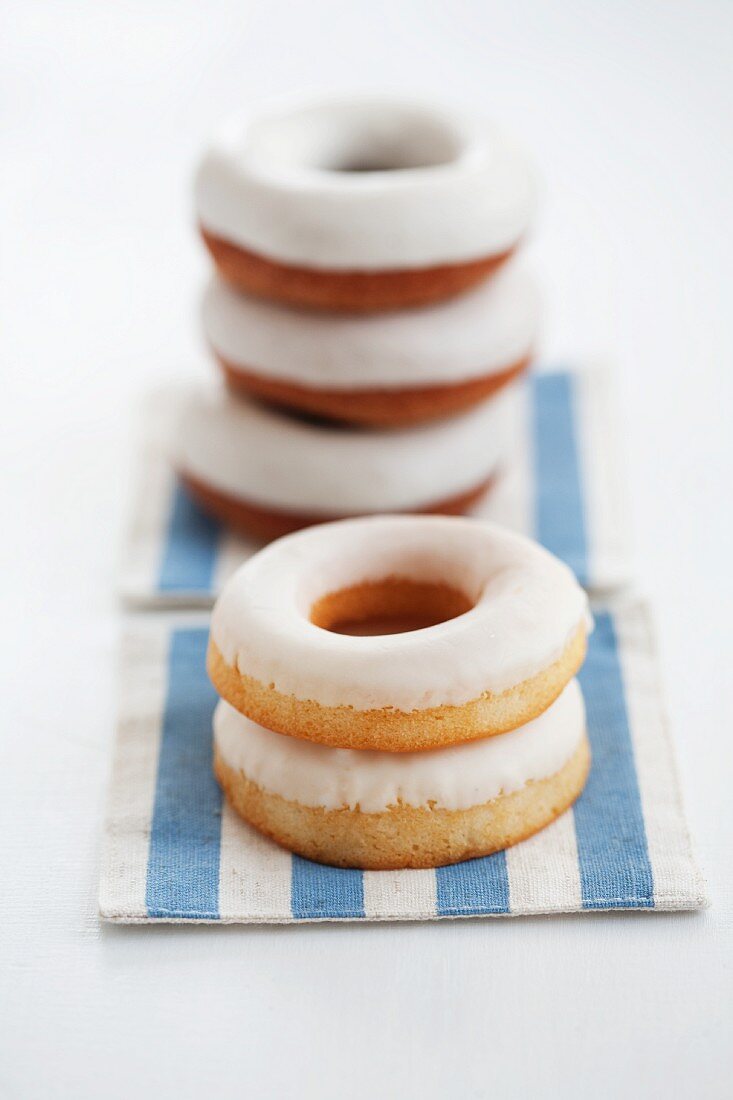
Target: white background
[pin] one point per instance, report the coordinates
(628, 109)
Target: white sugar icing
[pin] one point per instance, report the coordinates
(480, 333)
(260, 455)
(527, 607)
(365, 185)
(453, 778)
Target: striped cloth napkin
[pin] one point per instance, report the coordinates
(174, 851)
(560, 485)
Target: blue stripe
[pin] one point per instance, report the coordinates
(559, 519)
(474, 887)
(609, 823)
(183, 860)
(317, 891)
(191, 543)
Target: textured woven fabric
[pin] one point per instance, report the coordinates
(174, 851)
(560, 485)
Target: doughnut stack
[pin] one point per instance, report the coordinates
(367, 314)
(398, 691)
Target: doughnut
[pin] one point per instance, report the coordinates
(387, 370)
(383, 811)
(266, 474)
(397, 633)
(361, 204)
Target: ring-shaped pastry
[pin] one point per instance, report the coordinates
(378, 810)
(265, 473)
(361, 204)
(491, 629)
(386, 370)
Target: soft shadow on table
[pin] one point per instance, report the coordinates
(112, 933)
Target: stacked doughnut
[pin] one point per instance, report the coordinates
(365, 314)
(398, 691)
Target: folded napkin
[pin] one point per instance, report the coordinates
(175, 851)
(560, 485)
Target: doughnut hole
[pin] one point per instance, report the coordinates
(395, 605)
(358, 137)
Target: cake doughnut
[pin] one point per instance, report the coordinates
(386, 370)
(492, 628)
(383, 811)
(361, 204)
(265, 473)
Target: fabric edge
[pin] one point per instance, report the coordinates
(691, 905)
(637, 607)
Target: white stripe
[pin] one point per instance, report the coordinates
(400, 895)
(677, 880)
(254, 873)
(151, 506)
(604, 505)
(544, 874)
(233, 550)
(131, 799)
(511, 501)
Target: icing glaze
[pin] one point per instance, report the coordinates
(266, 457)
(365, 184)
(527, 607)
(452, 778)
(480, 333)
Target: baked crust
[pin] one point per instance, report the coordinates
(352, 291)
(388, 728)
(265, 523)
(406, 836)
(388, 408)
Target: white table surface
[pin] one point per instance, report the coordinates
(628, 109)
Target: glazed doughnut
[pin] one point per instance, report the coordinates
(361, 204)
(492, 629)
(266, 473)
(388, 370)
(383, 811)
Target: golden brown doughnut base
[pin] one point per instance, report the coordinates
(377, 408)
(348, 291)
(390, 729)
(406, 836)
(265, 523)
